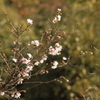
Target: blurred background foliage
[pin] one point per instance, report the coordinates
(81, 21)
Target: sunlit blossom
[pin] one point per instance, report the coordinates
(29, 55)
(29, 68)
(25, 60)
(59, 17)
(20, 81)
(54, 65)
(41, 61)
(56, 50)
(2, 93)
(36, 63)
(44, 57)
(64, 58)
(14, 59)
(35, 42)
(56, 19)
(16, 95)
(59, 9)
(30, 21)
(25, 74)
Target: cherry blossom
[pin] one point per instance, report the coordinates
(30, 21)
(55, 50)
(35, 42)
(56, 19)
(2, 93)
(54, 66)
(29, 55)
(20, 81)
(36, 63)
(14, 59)
(16, 95)
(59, 9)
(29, 68)
(64, 58)
(25, 60)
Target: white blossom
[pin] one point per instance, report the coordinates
(56, 19)
(55, 64)
(25, 60)
(35, 42)
(59, 17)
(64, 58)
(91, 52)
(36, 63)
(19, 75)
(58, 46)
(28, 44)
(29, 55)
(2, 93)
(54, 67)
(55, 50)
(59, 9)
(41, 61)
(14, 59)
(44, 57)
(30, 21)
(16, 95)
(25, 74)
(20, 81)
(52, 51)
(29, 68)
(14, 42)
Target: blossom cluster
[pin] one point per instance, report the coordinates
(44, 58)
(56, 50)
(16, 95)
(24, 73)
(22, 64)
(29, 21)
(58, 17)
(53, 50)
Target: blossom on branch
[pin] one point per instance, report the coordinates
(29, 55)
(64, 58)
(16, 95)
(21, 66)
(58, 17)
(2, 93)
(54, 66)
(36, 63)
(35, 42)
(29, 68)
(14, 59)
(30, 21)
(55, 50)
(25, 60)
(59, 9)
(20, 81)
